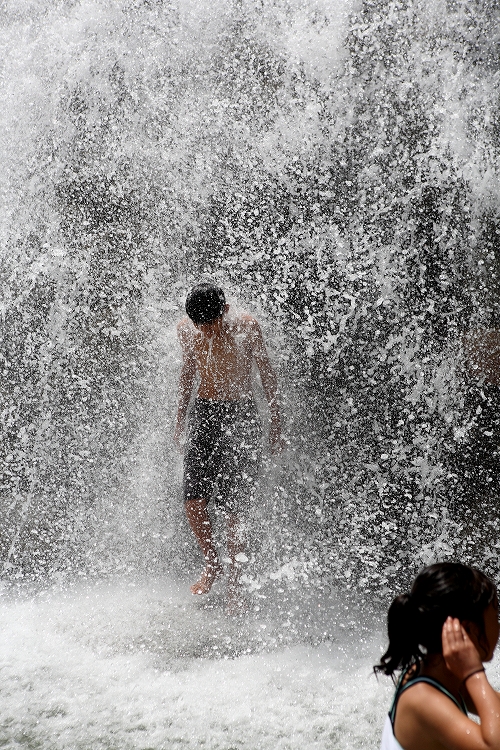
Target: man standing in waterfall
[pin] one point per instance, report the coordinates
(223, 449)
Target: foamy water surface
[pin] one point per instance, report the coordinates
(143, 664)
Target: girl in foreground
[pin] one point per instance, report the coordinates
(439, 636)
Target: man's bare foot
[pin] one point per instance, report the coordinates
(208, 577)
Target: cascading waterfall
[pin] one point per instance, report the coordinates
(334, 165)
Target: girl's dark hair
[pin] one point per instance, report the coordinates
(415, 620)
(205, 303)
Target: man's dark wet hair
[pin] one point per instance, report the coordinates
(415, 620)
(205, 303)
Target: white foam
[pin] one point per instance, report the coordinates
(145, 665)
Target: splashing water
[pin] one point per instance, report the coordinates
(143, 667)
(333, 165)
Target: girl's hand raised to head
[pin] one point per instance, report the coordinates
(460, 654)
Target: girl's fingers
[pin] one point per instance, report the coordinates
(451, 632)
(451, 644)
(446, 633)
(454, 635)
(465, 636)
(458, 630)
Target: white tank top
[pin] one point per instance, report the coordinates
(389, 742)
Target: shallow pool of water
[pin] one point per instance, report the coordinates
(143, 664)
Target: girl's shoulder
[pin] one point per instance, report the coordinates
(424, 688)
(426, 717)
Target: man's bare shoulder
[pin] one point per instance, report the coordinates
(185, 331)
(246, 326)
(245, 322)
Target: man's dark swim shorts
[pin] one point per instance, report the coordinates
(223, 452)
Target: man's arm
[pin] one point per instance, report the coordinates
(186, 382)
(269, 384)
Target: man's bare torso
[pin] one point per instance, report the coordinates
(222, 356)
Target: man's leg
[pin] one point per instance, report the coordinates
(199, 520)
